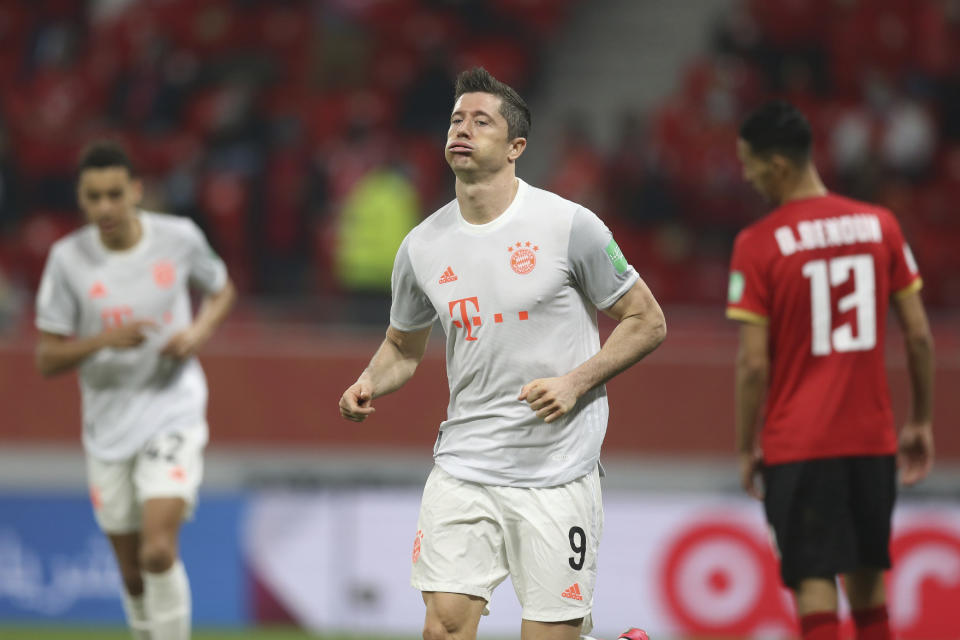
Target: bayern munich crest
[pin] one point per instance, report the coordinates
(523, 256)
(164, 274)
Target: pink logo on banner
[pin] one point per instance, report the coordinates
(720, 578)
(924, 587)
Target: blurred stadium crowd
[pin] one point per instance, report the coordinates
(305, 136)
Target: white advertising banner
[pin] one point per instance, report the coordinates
(672, 563)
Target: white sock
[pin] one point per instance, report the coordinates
(167, 598)
(136, 611)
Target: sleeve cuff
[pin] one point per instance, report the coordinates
(913, 287)
(401, 326)
(54, 327)
(747, 316)
(612, 299)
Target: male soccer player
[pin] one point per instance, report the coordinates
(114, 304)
(812, 282)
(515, 275)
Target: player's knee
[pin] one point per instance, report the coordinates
(438, 628)
(157, 556)
(435, 630)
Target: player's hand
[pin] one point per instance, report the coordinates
(915, 457)
(750, 466)
(550, 398)
(129, 335)
(356, 402)
(183, 344)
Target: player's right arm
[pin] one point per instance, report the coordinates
(56, 353)
(916, 437)
(391, 366)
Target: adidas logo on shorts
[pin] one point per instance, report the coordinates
(573, 592)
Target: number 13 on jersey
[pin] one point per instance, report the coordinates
(823, 276)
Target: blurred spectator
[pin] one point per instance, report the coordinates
(638, 187)
(10, 210)
(909, 139)
(578, 172)
(426, 105)
(376, 215)
(260, 118)
(281, 216)
(11, 302)
(150, 93)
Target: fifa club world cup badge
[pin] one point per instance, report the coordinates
(164, 274)
(523, 256)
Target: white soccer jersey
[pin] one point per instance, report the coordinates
(517, 299)
(129, 395)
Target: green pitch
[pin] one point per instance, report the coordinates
(114, 633)
(93, 633)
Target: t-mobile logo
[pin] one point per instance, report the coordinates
(466, 321)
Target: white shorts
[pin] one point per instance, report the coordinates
(471, 536)
(170, 465)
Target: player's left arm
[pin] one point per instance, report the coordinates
(915, 456)
(213, 310)
(752, 371)
(640, 329)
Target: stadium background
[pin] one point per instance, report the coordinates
(305, 138)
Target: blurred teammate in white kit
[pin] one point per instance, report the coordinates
(114, 304)
(515, 275)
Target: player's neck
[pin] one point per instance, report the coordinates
(484, 201)
(807, 185)
(130, 233)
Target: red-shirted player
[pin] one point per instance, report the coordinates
(812, 282)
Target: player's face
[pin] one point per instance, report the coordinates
(760, 172)
(478, 138)
(108, 198)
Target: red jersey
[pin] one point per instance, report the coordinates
(820, 272)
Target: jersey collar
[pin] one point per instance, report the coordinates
(502, 219)
(136, 249)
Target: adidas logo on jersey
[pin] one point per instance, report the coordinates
(448, 276)
(97, 291)
(573, 592)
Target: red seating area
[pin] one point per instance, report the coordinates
(878, 80)
(255, 117)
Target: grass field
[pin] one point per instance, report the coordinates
(269, 633)
(115, 633)
(93, 633)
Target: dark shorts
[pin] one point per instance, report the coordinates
(831, 515)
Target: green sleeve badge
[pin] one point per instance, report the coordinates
(616, 256)
(735, 292)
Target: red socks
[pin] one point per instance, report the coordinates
(872, 624)
(822, 625)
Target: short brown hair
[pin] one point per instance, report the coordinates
(512, 107)
(102, 154)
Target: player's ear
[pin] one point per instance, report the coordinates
(136, 190)
(516, 148)
(781, 164)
